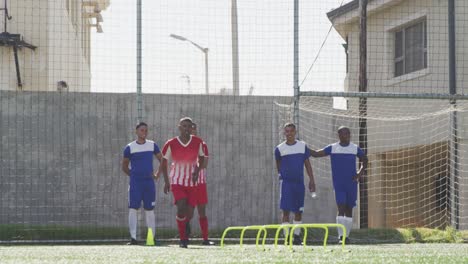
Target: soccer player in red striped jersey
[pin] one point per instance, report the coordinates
(201, 195)
(187, 156)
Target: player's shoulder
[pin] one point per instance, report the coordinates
(196, 139)
(298, 147)
(301, 143)
(171, 140)
(150, 141)
(281, 145)
(130, 144)
(351, 148)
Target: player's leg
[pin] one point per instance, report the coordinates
(149, 201)
(298, 194)
(134, 202)
(285, 206)
(351, 198)
(340, 197)
(190, 212)
(180, 199)
(202, 201)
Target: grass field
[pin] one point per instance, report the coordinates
(387, 253)
(417, 245)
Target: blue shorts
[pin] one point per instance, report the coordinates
(346, 194)
(292, 197)
(142, 190)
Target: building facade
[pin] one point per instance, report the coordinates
(61, 32)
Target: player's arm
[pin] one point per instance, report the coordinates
(196, 170)
(318, 153)
(205, 163)
(311, 175)
(125, 163)
(363, 161)
(278, 162)
(163, 169)
(278, 165)
(157, 174)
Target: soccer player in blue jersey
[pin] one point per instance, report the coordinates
(345, 176)
(138, 165)
(291, 157)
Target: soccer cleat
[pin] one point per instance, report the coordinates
(188, 230)
(132, 242)
(297, 240)
(183, 243)
(347, 241)
(208, 243)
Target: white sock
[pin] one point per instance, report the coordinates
(150, 221)
(340, 220)
(132, 222)
(297, 231)
(285, 230)
(348, 224)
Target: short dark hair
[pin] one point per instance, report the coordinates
(194, 124)
(185, 119)
(343, 128)
(289, 125)
(141, 124)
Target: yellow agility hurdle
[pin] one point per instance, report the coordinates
(279, 227)
(227, 230)
(322, 226)
(260, 229)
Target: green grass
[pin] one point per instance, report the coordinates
(418, 245)
(387, 253)
(362, 236)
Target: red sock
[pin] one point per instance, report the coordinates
(181, 221)
(204, 227)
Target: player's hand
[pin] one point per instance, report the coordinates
(157, 175)
(312, 186)
(357, 177)
(195, 176)
(167, 187)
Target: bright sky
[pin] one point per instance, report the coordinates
(174, 66)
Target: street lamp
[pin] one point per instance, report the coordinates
(204, 50)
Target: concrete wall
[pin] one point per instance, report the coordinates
(60, 156)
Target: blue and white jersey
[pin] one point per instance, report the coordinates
(343, 161)
(292, 159)
(141, 159)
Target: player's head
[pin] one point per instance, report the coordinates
(290, 131)
(142, 130)
(194, 129)
(344, 134)
(185, 126)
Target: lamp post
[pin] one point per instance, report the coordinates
(204, 50)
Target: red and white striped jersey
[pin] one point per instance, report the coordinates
(184, 159)
(202, 177)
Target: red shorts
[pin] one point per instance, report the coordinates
(184, 192)
(201, 196)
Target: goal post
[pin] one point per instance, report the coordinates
(416, 150)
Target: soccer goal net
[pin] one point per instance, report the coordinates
(417, 152)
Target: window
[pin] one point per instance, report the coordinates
(410, 49)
